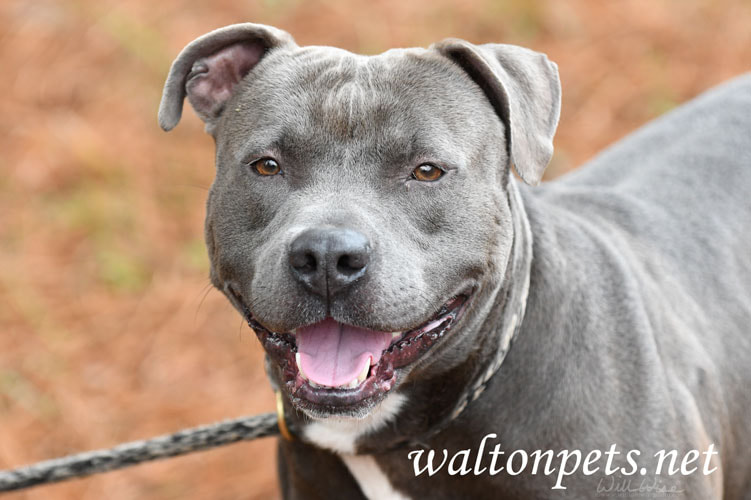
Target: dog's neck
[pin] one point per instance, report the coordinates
(513, 304)
(425, 409)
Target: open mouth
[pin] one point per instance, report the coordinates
(330, 365)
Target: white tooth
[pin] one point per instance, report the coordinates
(299, 366)
(395, 335)
(294, 332)
(364, 373)
(354, 383)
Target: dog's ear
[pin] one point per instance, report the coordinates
(209, 68)
(524, 89)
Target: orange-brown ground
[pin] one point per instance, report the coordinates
(106, 331)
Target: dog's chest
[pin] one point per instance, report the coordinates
(371, 478)
(341, 437)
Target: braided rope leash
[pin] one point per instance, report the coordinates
(136, 452)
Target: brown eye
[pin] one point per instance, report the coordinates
(427, 173)
(266, 166)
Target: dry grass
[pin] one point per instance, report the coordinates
(105, 335)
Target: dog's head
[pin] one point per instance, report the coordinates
(359, 213)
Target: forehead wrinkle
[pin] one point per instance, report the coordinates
(347, 100)
(344, 86)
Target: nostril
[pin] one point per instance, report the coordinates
(304, 262)
(311, 264)
(351, 263)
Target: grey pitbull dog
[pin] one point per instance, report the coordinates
(412, 295)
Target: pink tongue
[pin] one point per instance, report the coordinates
(333, 354)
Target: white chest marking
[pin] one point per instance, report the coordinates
(340, 436)
(373, 482)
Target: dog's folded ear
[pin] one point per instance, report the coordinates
(524, 89)
(209, 68)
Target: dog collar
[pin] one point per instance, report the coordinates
(281, 421)
(516, 304)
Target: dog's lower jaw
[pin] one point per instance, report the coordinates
(340, 434)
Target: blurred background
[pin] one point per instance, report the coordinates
(109, 330)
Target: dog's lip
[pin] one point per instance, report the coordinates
(451, 306)
(403, 333)
(463, 297)
(406, 348)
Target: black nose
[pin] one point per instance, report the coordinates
(327, 260)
